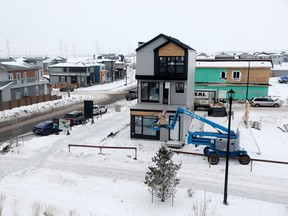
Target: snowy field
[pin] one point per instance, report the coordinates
(42, 174)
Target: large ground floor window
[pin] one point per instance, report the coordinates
(141, 127)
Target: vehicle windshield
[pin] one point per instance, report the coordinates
(42, 124)
(70, 116)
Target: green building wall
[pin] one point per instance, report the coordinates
(253, 91)
(209, 78)
(207, 75)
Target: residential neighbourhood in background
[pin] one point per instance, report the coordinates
(247, 73)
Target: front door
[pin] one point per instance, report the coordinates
(166, 91)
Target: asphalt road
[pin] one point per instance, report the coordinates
(25, 125)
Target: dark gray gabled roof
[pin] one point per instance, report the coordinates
(4, 84)
(169, 39)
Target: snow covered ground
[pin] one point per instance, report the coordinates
(42, 173)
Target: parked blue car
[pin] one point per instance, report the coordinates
(45, 128)
(283, 79)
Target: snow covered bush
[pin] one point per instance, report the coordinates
(161, 178)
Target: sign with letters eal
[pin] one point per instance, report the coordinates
(199, 94)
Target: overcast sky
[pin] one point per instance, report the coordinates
(86, 27)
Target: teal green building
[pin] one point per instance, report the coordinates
(247, 78)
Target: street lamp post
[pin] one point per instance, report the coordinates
(230, 95)
(248, 77)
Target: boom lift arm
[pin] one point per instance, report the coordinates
(180, 110)
(215, 142)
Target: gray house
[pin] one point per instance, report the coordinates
(165, 73)
(79, 73)
(19, 79)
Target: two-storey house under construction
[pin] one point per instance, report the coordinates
(165, 73)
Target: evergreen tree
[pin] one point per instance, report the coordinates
(161, 178)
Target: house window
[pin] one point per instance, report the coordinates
(25, 77)
(150, 91)
(10, 76)
(223, 75)
(36, 76)
(18, 95)
(138, 125)
(143, 124)
(41, 73)
(171, 65)
(62, 79)
(236, 75)
(179, 87)
(25, 91)
(37, 90)
(18, 77)
(147, 124)
(175, 133)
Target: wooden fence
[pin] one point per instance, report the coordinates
(25, 101)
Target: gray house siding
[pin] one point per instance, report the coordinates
(17, 89)
(5, 95)
(191, 79)
(146, 65)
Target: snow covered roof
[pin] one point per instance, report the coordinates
(76, 64)
(283, 66)
(18, 65)
(233, 64)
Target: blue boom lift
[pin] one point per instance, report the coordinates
(215, 142)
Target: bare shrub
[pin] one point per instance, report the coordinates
(2, 201)
(203, 208)
(16, 131)
(52, 211)
(15, 208)
(73, 213)
(190, 192)
(36, 208)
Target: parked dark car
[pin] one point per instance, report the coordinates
(45, 128)
(99, 109)
(66, 89)
(131, 95)
(75, 117)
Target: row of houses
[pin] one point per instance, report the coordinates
(168, 74)
(19, 79)
(276, 58)
(87, 72)
(25, 77)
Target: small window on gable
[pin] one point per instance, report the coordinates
(223, 75)
(236, 75)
